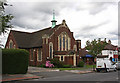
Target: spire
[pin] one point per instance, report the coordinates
(53, 21)
(53, 14)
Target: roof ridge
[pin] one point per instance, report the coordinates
(41, 30)
(20, 31)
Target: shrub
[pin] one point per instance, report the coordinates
(57, 63)
(80, 64)
(42, 65)
(67, 66)
(14, 61)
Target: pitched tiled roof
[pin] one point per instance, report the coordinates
(83, 52)
(29, 40)
(110, 47)
(34, 39)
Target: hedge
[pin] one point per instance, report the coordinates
(80, 64)
(14, 61)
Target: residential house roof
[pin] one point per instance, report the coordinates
(83, 52)
(110, 47)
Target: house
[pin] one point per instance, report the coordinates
(111, 51)
(86, 57)
(52, 42)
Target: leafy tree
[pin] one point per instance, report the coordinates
(4, 19)
(95, 46)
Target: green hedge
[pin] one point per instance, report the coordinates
(67, 66)
(80, 64)
(14, 61)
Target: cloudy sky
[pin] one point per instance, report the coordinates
(88, 19)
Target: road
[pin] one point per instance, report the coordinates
(68, 76)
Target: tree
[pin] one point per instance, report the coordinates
(4, 19)
(95, 46)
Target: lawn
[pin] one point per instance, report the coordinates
(77, 68)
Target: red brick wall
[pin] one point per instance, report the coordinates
(45, 47)
(11, 37)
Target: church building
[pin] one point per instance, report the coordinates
(56, 41)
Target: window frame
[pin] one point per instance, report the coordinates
(39, 50)
(51, 50)
(32, 54)
(11, 44)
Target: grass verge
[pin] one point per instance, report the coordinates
(77, 68)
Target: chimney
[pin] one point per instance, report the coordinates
(109, 41)
(78, 44)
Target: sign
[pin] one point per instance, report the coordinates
(115, 56)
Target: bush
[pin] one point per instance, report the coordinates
(67, 66)
(14, 61)
(80, 64)
(57, 63)
(42, 65)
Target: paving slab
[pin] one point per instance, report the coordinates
(16, 77)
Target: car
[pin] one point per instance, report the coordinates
(118, 65)
(104, 64)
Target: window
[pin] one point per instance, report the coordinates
(75, 48)
(62, 58)
(60, 43)
(51, 50)
(63, 41)
(67, 44)
(11, 44)
(39, 55)
(110, 52)
(31, 54)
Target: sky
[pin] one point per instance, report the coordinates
(88, 19)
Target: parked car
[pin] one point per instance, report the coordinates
(104, 64)
(118, 65)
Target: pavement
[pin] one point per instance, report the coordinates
(31, 70)
(80, 71)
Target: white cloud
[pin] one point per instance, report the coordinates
(87, 19)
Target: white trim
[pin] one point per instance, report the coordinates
(74, 59)
(75, 47)
(64, 55)
(63, 34)
(61, 56)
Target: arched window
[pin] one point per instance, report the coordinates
(11, 44)
(39, 58)
(66, 43)
(75, 48)
(51, 50)
(63, 42)
(31, 57)
(60, 43)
